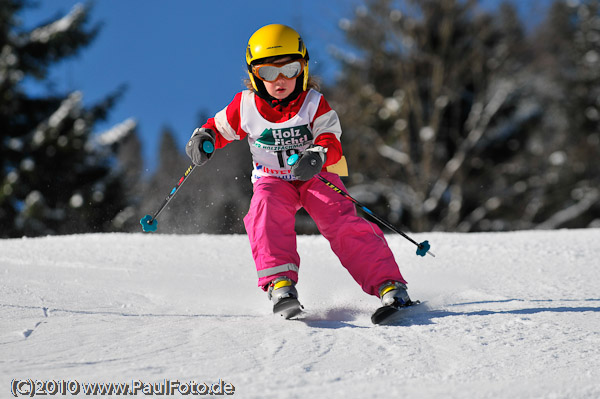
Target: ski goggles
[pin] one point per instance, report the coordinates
(271, 72)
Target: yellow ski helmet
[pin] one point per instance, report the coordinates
(272, 41)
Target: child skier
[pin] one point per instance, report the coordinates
(282, 114)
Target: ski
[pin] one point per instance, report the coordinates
(390, 314)
(288, 308)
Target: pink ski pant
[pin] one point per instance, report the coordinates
(359, 244)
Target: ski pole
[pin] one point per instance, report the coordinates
(149, 222)
(423, 248)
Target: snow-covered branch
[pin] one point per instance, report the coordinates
(67, 107)
(393, 154)
(117, 132)
(44, 33)
(480, 118)
(590, 198)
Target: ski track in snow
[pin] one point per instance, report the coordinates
(504, 315)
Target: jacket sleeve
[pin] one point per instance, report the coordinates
(226, 123)
(327, 130)
(333, 145)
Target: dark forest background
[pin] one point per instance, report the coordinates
(454, 119)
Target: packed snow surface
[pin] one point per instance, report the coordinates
(504, 315)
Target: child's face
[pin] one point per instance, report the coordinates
(281, 87)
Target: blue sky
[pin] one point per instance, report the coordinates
(180, 57)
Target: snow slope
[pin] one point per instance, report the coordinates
(506, 315)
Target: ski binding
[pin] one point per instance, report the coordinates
(390, 314)
(288, 307)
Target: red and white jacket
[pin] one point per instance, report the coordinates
(276, 132)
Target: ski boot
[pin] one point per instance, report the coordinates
(284, 296)
(394, 299)
(394, 294)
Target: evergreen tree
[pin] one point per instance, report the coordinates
(568, 46)
(437, 106)
(225, 190)
(55, 176)
(130, 166)
(214, 198)
(171, 165)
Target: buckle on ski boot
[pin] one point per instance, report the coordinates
(284, 296)
(281, 287)
(393, 293)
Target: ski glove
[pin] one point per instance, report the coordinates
(309, 163)
(195, 148)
